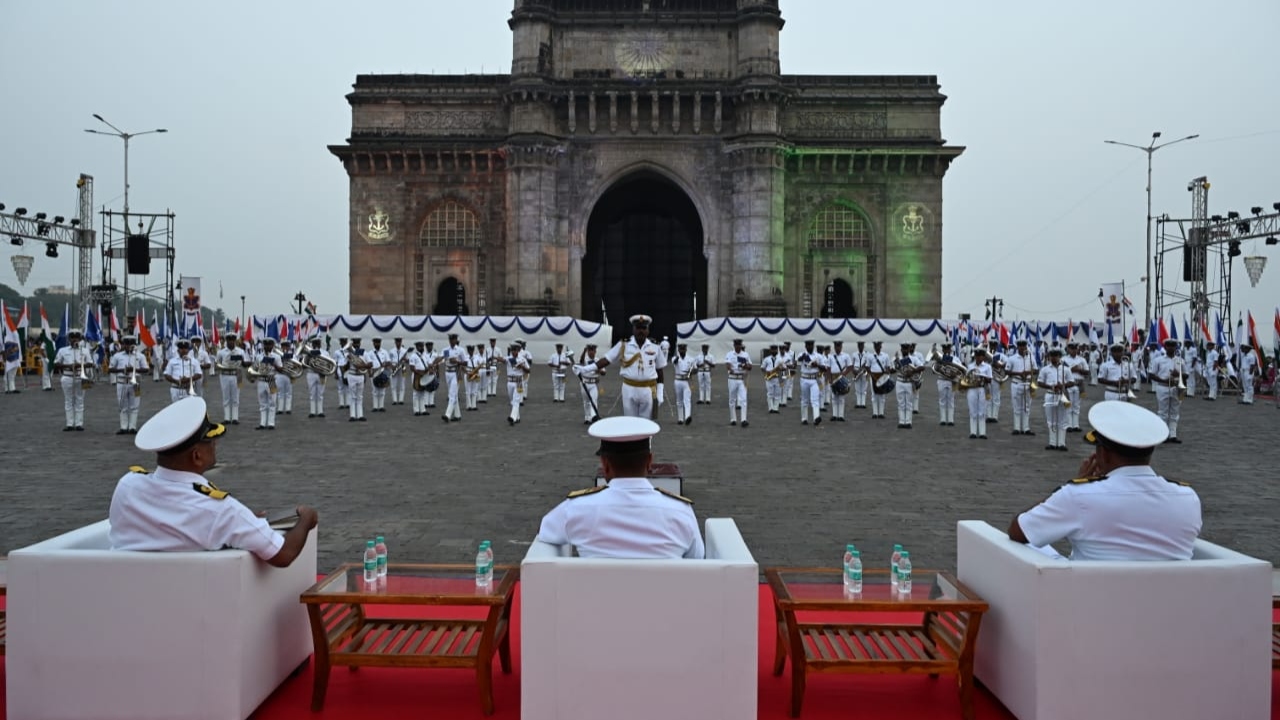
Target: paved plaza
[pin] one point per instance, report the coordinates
(798, 493)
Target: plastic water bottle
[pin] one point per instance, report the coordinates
(848, 555)
(893, 565)
(488, 564)
(482, 567)
(904, 573)
(853, 576)
(381, 547)
(370, 562)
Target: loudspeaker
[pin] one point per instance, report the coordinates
(1195, 256)
(138, 255)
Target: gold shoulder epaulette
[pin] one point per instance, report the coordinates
(1083, 480)
(670, 494)
(587, 491)
(138, 469)
(211, 492)
(1178, 482)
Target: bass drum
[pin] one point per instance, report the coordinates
(382, 380)
(840, 386)
(432, 386)
(883, 386)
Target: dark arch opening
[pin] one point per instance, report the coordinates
(451, 298)
(644, 255)
(838, 302)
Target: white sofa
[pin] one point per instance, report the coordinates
(1067, 640)
(640, 639)
(102, 634)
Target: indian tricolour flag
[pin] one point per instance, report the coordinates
(46, 335)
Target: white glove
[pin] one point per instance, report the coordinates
(662, 395)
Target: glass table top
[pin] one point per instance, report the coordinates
(442, 582)
(827, 586)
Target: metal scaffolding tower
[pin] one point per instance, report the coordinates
(157, 229)
(18, 228)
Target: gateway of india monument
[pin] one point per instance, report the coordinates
(646, 156)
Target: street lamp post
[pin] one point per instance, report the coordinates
(1150, 149)
(243, 327)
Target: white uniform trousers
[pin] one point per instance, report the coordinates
(737, 399)
(379, 396)
(788, 386)
(878, 402)
(267, 403)
(230, 385)
(200, 387)
(397, 389)
(1168, 407)
(46, 380)
(419, 402)
(492, 388)
(824, 389)
(315, 393)
(638, 401)
(128, 402)
(590, 395)
(1072, 414)
(684, 400)
(904, 393)
(11, 379)
(429, 396)
(355, 396)
(946, 402)
(73, 400)
(474, 389)
(860, 391)
(177, 393)
(837, 404)
(344, 392)
(1191, 383)
(1020, 398)
(773, 393)
(1211, 380)
(976, 399)
(704, 386)
(810, 400)
(515, 383)
(453, 411)
(993, 405)
(1055, 418)
(915, 397)
(1246, 388)
(284, 393)
(557, 386)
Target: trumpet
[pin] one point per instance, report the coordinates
(1182, 384)
(1063, 395)
(86, 377)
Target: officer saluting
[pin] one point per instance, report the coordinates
(175, 509)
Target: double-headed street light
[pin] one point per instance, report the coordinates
(1150, 149)
(126, 137)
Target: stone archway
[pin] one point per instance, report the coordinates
(644, 254)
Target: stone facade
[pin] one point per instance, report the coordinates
(814, 195)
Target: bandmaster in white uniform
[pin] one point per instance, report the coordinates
(628, 518)
(642, 362)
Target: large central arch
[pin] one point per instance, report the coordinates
(644, 254)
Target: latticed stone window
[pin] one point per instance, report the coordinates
(451, 224)
(839, 228)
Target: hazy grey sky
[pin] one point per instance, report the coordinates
(1037, 211)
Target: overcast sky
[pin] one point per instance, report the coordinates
(1038, 210)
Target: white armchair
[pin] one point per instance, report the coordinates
(1090, 639)
(640, 639)
(103, 634)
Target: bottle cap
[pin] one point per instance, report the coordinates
(897, 548)
(906, 554)
(368, 543)
(857, 553)
(381, 539)
(849, 547)
(486, 544)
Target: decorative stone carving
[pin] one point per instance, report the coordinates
(449, 120)
(842, 123)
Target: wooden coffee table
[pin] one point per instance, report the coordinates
(344, 635)
(942, 642)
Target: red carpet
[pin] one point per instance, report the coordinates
(379, 693)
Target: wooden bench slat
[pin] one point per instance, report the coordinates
(906, 650)
(444, 636)
(392, 633)
(461, 648)
(884, 647)
(410, 632)
(853, 645)
(833, 638)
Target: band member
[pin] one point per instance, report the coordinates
(431, 359)
(159, 360)
(315, 381)
(492, 357)
(1212, 363)
(862, 360)
(74, 363)
(788, 372)
(356, 364)
(918, 381)
(824, 387)
(1191, 363)
(416, 358)
(528, 359)
(126, 367)
(344, 387)
(558, 362)
(397, 353)
(45, 364)
(642, 362)
(268, 362)
(1248, 362)
(998, 361)
(474, 375)
(704, 361)
(516, 367)
(453, 359)
(181, 372)
(1167, 372)
(12, 363)
(589, 375)
(905, 370)
(1079, 368)
(737, 362)
(1116, 375)
(201, 355)
(230, 361)
(978, 379)
(1022, 373)
(809, 366)
(380, 372)
(841, 366)
(771, 366)
(683, 366)
(284, 383)
(1056, 380)
(880, 367)
(947, 389)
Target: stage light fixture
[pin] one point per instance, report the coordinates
(20, 211)
(1274, 206)
(42, 230)
(51, 250)
(57, 219)
(1272, 240)
(1256, 209)
(1243, 227)
(1216, 218)
(41, 216)
(75, 222)
(1, 207)
(1233, 248)
(15, 240)
(1233, 215)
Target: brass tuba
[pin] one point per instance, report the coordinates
(260, 372)
(947, 370)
